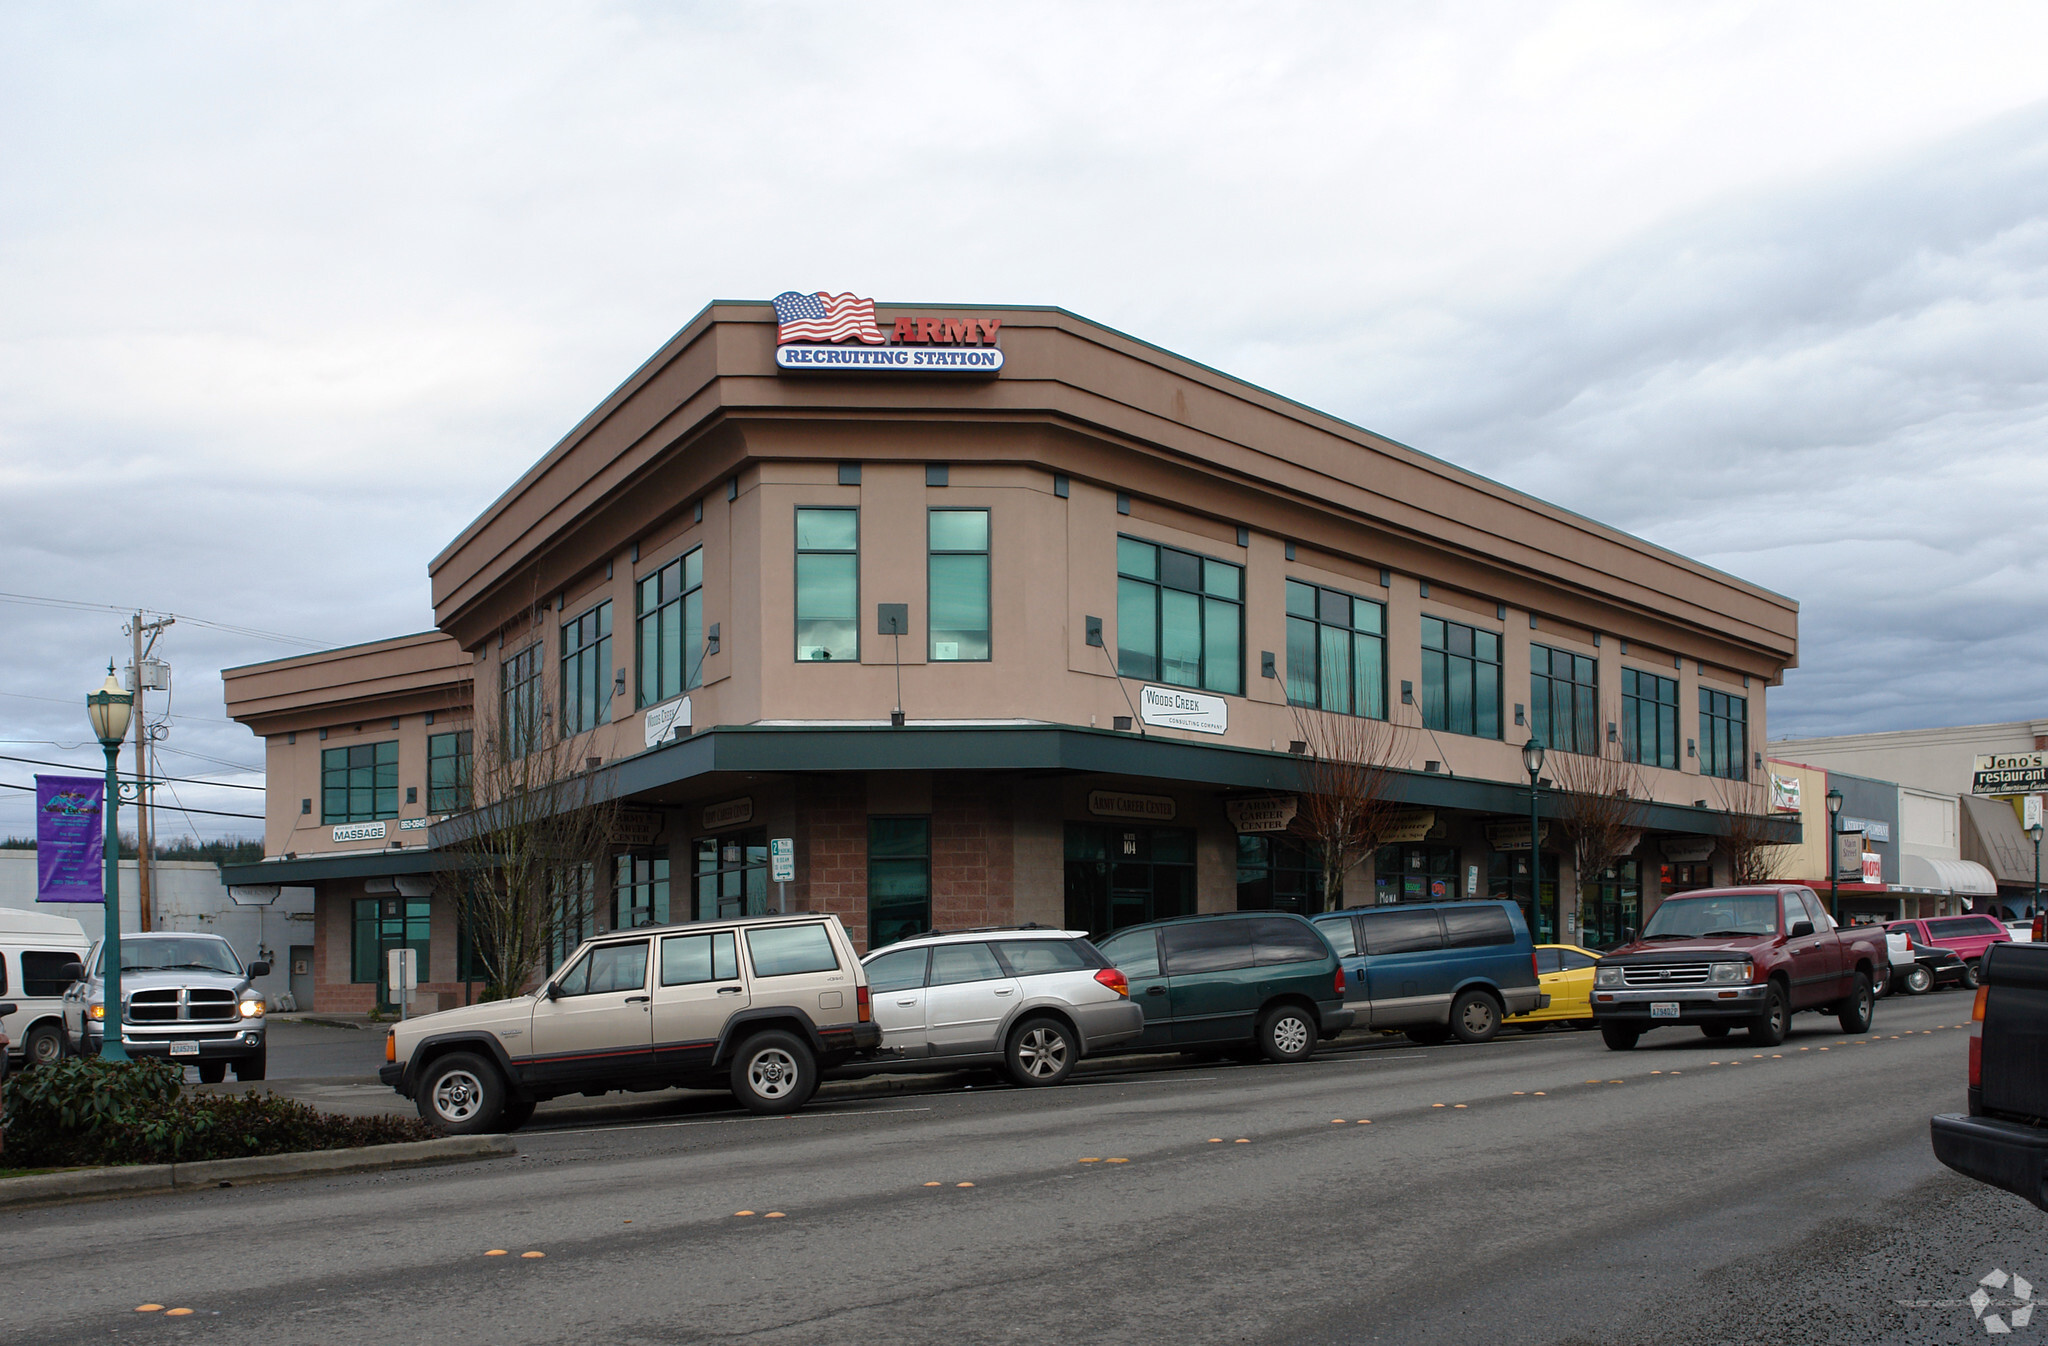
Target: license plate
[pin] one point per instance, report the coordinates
(184, 1049)
(1663, 1009)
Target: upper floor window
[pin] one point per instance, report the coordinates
(828, 584)
(1564, 700)
(957, 583)
(448, 758)
(520, 705)
(1649, 718)
(670, 617)
(1179, 617)
(587, 670)
(1460, 678)
(1724, 735)
(1336, 651)
(359, 784)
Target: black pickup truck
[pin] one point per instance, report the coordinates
(2003, 1140)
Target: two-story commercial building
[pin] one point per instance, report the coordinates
(1000, 615)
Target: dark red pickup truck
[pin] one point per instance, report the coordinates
(2003, 1141)
(1726, 958)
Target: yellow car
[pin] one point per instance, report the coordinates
(1565, 971)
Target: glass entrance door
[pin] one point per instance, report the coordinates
(1119, 876)
(383, 924)
(1611, 907)
(732, 874)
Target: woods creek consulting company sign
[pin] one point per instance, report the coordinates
(838, 334)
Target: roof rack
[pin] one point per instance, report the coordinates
(987, 929)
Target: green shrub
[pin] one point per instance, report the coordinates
(87, 1110)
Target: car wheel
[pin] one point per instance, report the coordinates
(1715, 1031)
(1620, 1037)
(1475, 1017)
(461, 1094)
(1919, 981)
(1430, 1035)
(213, 1072)
(1287, 1033)
(773, 1073)
(1854, 1013)
(43, 1046)
(1769, 1028)
(1041, 1051)
(516, 1113)
(254, 1067)
(1970, 975)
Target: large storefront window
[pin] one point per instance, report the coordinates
(1278, 874)
(732, 875)
(1564, 700)
(956, 578)
(1336, 651)
(1460, 678)
(578, 913)
(1507, 878)
(1415, 873)
(899, 879)
(1649, 719)
(1119, 876)
(639, 890)
(383, 924)
(1611, 907)
(1684, 876)
(1724, 735)
(670, 628)
(1179, 617)
(828, 585)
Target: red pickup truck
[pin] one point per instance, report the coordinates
(1726, 958)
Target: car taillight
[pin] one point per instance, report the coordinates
(1114, 979)
(1535, 971)
(1340, 979)
(861, 1001)
(1977, 1037)
(391, 1046)
(2040, 929)
(1977, 1005)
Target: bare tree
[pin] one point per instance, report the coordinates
(1599, 801)
(1346, 806)
(533, 848)
(1755, 852)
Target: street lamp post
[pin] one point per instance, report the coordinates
(1834, 846)
(2035, 833)
(1532, 762)
(108, 709)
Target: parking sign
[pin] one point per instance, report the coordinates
(782, 859)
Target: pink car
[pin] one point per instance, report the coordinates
(1968, 936)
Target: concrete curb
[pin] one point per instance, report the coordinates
(83, 1183)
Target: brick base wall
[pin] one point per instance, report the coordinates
(974, 878)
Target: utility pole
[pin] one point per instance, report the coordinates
(136, 629)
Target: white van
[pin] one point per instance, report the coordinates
(34, 947)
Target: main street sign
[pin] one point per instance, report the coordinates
(2010, 773)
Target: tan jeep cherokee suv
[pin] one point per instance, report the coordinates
(758, 1005)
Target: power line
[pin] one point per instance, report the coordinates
(37, 600)
(74, 702)
(187, 752)
(213, 813)
(187, 780)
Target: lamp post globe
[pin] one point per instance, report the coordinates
(1833, 860)
(108, 710)
(1532, 762)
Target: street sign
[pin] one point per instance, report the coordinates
(2030, 811)
(782, 859)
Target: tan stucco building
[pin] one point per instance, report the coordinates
(1091, 581)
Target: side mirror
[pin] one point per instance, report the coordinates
(552, 992)
(259, 968)
(1801, 929)
(1628, 934)
(75, 971)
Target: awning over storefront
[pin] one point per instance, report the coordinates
(340, 865)
(1964, 878)
(1992, 837)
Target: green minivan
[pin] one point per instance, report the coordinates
(1263, 980)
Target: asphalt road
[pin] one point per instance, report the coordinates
(1538, 1189)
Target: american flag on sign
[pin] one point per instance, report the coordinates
(825, 317)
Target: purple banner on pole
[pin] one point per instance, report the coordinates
(70, 839)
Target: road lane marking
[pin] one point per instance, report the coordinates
(771, 1215)
(497, 1252)
(149, 1308)
(533, 1254)
(711, 1121)
(176, 1313)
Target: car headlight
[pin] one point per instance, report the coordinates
(1728, 973)
(1607, 976)
(252, 1009)
(98, 1011)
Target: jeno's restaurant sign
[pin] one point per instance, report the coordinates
(837, 334)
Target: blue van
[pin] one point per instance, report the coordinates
(1435, 969)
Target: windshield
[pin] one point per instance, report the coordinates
(165, 953)
(1699, 917)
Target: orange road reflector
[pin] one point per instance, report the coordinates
(1678, 1072)
(738, 1213)
(1119, 1161)
(1215, 1140)
(1823, 1049)
(1436, 1105)
(149, 1308)
(1614, 1081)
(533, 1254)
(176, 1313)
(495, 1252)
(1242, 1141)
(935, 1184)
(1540, 1094)
(774, 1215)
(1096, 1160)
(963, 1184)
(1457, 1105)
(1336, 1121)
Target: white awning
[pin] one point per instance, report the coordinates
(1965, 878)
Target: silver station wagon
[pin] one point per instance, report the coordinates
(1034, 1001)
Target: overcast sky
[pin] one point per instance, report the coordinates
(289, 293)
